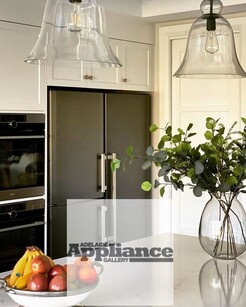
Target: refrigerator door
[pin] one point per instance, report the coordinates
(76, 142)
(127, 123)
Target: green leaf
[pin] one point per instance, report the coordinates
(169, 131)
(224, 187)
(161, 144)
(177, 138)
(114, 165)
(197, 191)
(191, 134)
(129, 151)
(189, 127)
(208, 135)
(153, 128)
(146, 186)
(199, 168)
(146, 165)
(166, 138)
(150, 151)
(210, 123)
(191, 172)
(181, 131)
(162, 191)
(157, 184)
(244, 120)
(232, 180)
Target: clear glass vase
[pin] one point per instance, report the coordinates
(222, 232)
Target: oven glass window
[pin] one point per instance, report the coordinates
(21, 162)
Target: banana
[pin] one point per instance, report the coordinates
(18, 269)
(28, 264)
(21, 283)
(22, 269)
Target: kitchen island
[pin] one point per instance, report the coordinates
(192, 278)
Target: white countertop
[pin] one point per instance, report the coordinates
(193, 279)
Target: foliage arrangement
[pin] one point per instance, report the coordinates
(218, 165)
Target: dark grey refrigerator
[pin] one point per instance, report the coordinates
(86, 130)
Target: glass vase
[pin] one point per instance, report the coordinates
(222, 227)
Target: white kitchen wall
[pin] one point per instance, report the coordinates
(24, 11)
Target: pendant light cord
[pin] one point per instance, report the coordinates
(211, 7)
(211, 22)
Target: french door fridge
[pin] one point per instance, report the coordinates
(86, 130)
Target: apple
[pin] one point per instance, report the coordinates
(55, 270)
(40, 264)
(83, 261)
(38, 282)
(87, 275)
(71, 271)
(58, 283)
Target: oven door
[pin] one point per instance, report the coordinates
(21, 166)
(21, 225)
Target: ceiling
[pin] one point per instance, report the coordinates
(167, 10)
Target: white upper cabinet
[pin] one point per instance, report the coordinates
(86, 76)
(135, 74)
(21, 84)
(137, 66)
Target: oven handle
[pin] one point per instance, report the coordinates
(21, 137)
(35, 224)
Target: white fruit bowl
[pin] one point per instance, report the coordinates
(47, 298)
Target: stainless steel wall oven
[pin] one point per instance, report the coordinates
(22, 141)
(21, 225)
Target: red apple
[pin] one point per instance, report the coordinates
(38, 282)
(58, 283)
(40, 264)
(83, 261)
(72, 272)
(55, 270)
(87, 275)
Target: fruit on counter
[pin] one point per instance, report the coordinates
(35, 271)
(58, 283)
(38, 282)
(40, 264)
(21, 283)
(56, 270)
(87, 275)
(83, 261)
(71, 271)
(23, 266)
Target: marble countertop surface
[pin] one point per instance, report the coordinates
(192, 279)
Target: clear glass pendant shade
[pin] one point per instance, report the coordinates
(210, 50)
(75, 31)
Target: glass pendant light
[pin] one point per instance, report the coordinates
(74, 31)
(210, 50)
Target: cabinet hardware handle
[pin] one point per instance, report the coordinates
(124, 80)
(35, 224)
(90, 77)
(103, 185)
(86, 77)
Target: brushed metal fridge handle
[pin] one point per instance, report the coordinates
(113, 237)
(103, 173)
(113, 157)
(103, 223)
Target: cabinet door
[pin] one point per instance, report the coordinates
(64, 74)
(128, 120)
(137, 66)
(106, 77)
(21, 84)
